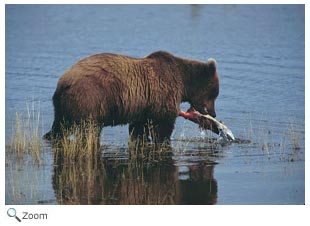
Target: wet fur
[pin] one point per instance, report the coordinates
(111, 89)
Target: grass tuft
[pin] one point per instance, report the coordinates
(79, 143)
(294, 135)
(146, 147)
(26, 134)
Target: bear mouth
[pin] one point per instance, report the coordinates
(202, 110)
(207, 122)
(205, 111)
(203, 122)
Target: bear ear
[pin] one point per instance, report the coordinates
(212, 65)
(212, 62)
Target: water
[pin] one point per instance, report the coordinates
(260, 50)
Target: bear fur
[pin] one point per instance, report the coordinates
(109, 89)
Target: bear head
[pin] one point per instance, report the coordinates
(205, 88)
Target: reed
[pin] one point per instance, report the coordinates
(147, 147)
(287, 142)
(26, 133)
(79, 143)
(294, 136)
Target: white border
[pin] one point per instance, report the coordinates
(157, 215)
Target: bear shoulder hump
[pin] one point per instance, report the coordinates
(160, 54)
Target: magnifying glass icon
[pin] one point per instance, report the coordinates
(12, 213)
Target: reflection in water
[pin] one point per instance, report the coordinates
(200, 187)
(195, 10)
(134, 181)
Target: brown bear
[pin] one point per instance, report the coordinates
(109, 89)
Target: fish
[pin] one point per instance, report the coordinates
(207, 122)
(218, 127)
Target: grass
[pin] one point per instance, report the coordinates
(26, 182)
(75, 182)
(26, 133)
(25, 155)
(127, 181)
(81, 170)
(294, 134)
(286, 142)
(146, 147)
(83, 176)
(78, 143)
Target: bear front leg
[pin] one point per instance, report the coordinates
(150, 131)
(163, 132)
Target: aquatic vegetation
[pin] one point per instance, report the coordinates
(294, 135)
(145, 147)
(78, 142)
(286, 142)
(26, 133)
(140, 172)
(134, 181)
(145, 174)
(27, 182)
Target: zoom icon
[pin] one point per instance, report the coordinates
(12, 213)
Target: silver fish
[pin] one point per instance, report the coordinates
(209, 123)
(216, 126)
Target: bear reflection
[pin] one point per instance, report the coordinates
(103, 181)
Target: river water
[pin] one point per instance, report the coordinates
(260, 50)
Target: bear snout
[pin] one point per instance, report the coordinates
(207, 111)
